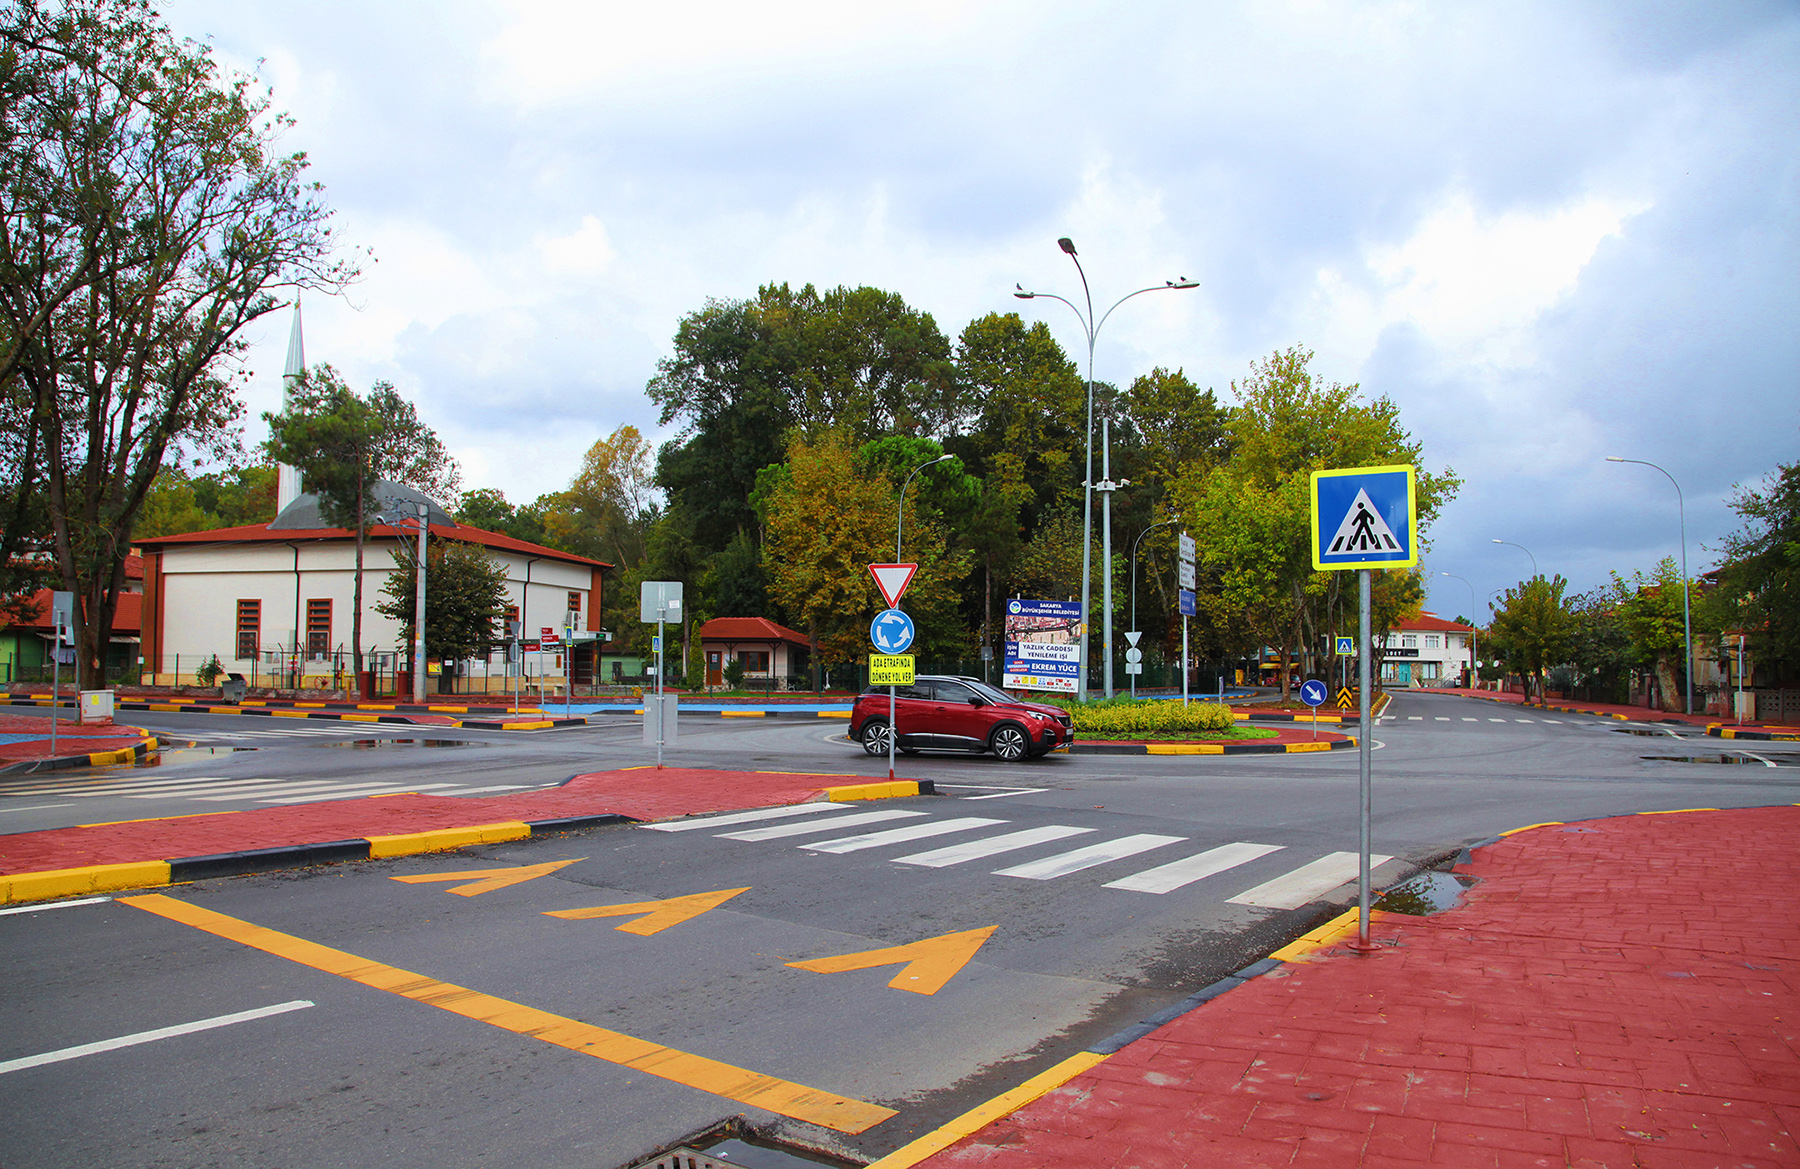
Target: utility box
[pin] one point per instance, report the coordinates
(96, 706)
(659, 711)
(232, 688)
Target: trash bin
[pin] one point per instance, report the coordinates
(232, 688)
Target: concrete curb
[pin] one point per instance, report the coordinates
(1721, 731)
(90, 759)
(884, 790)
(1249, 748)
(55, 883)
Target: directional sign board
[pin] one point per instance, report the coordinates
(892, 632)
(1186, 545)
(892, 580)
(1188, 607)
(1312, 692)
(891, 670)
(659, 600)
(1184, 573)
(1364, 517)
(1346, 647)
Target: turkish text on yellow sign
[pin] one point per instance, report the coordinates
(890, 669)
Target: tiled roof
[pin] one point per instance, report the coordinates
(1432, 623)
(127, 616)
(748, 629)
(262, 534)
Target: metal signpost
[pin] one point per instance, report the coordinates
(1363, 519)
(892, 634)
(659, 601)
(1185, 552)
(1312, 692)
(62, 626)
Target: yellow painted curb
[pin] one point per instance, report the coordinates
(1333, 931)
(537, 726)
(834, 713)
(360, 718)
(982, 1115)
(288, 714)
(1677, 811)
(1183, 749)
(1302, 748)
(1529, 827)
(740, 714)
(88, 879)
(873, 791)
(440, 839)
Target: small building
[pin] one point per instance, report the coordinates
(274, 602)
(25, 644)
(769, 652)
(1428, 651)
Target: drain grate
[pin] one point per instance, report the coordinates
(685, 1158)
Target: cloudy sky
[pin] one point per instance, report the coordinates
(1550, 232)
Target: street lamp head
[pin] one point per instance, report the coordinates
(1019, 291)
(1614, 459)
(1066, 244)
(1499, 541)
(1184, 282)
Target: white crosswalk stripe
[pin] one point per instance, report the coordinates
(1170, 877)
(854, 820)
(1075, 860)
(698, 822)
(956, 854)
(1294, 889)
(900, 835)
(219, 789)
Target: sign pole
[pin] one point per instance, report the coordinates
(1364, 747)
(1184, 660)
(55, 678)
(661, 712)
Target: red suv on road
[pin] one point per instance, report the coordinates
(959, 714)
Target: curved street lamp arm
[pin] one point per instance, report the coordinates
(1140, 292)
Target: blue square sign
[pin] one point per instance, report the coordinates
(1364, 517)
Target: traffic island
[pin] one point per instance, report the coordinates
(25, 745)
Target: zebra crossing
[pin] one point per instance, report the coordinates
(215, 789)
(820, 829)
(1443, 718)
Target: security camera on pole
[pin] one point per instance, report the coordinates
(1364, 518)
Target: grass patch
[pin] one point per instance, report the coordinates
(1176, 736)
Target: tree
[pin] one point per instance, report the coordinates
(1599, 647)
(343, 444)
(1649, 612)
(1760, 573)
(606, 513)
(829, 519)
(1533, 628)
(146, 220)
(180, 501)
(465, 599)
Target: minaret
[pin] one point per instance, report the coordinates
(287, 479)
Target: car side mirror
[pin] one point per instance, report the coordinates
(978, 701)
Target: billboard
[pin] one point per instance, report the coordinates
(1043, 646)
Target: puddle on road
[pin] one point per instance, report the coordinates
(190, 754)
(1423, 894)
(1777, 760)
(372, 744)
(1640, 731)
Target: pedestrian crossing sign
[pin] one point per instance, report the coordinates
(1364, 517)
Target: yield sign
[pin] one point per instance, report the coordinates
(892, 580)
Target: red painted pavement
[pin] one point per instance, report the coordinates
(642, 793)
(1626, 994)
(72, 739)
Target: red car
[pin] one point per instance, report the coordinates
(959, 714)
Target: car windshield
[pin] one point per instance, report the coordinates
(986, 691)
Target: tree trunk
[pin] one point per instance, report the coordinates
(1667, 682)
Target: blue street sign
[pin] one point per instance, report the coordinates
(1188, 608)
(892, 631)
(1312, 692)
(1364, 517)
(1346, 647)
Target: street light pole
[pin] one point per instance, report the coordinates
(893, 691)
(1134, 551)
(1527, 551)
(1090, 330)
(900, 516)
(1474, 639)
(1687, 628)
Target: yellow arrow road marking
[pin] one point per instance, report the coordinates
(930, 963)
(487, 880)
(660, 915)
(708, 1075)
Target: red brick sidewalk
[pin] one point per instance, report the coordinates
(72, 739)
(1621, 993)
(642, 793)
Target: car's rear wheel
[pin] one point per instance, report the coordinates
(875, 737)
(1009, 743)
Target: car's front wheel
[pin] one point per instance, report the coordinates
(1009, 743)
(875, 737)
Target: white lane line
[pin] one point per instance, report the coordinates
(1167, 878)
(956, 854)
(498, 787)
(36, 807)
(354, 793)
(900, 835)
(1557, 721)
(1496, 720)
(34, 1061)
(1471, 720)
(56, 905)
(248, 787)
(1018, 791)
(1306, 883)
(1524, 720)
(1443, 718)
(743, 817)
(313, 788)
(1415, 718)
(777, 831)
(1073, 861)
(1758, 758)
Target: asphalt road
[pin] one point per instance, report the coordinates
(1136, 881)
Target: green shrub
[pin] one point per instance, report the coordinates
(209, 671)
(1127, 716)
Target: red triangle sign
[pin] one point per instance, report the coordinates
(892, 580)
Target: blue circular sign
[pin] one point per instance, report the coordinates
(892, 632)
(1312, 692)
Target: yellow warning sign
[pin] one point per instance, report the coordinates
(890, 669)
(1346, 698)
